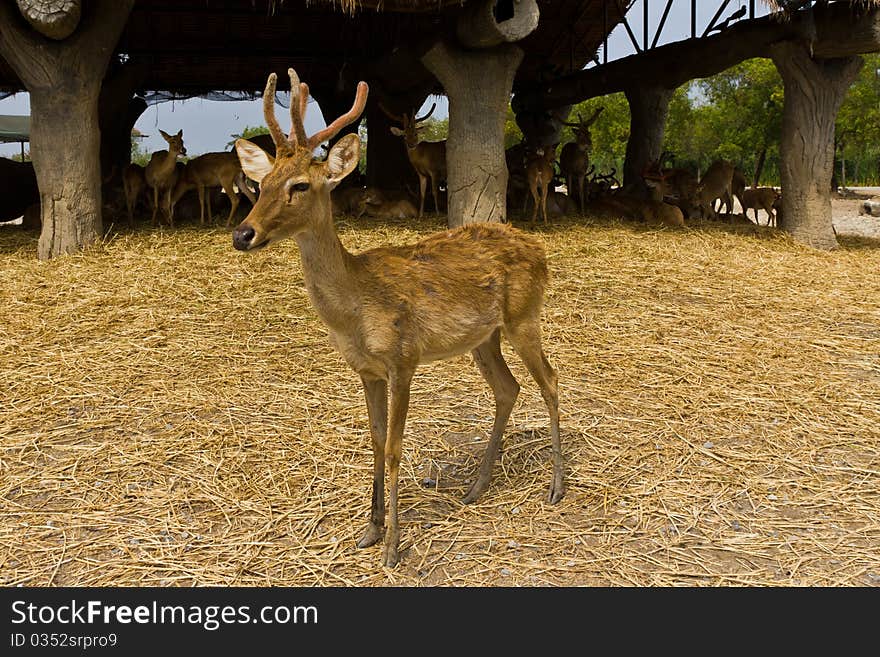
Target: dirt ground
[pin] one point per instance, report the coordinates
(846, 217)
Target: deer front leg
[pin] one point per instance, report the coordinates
(155, 205)
(399, 384)
(376, 392)
(423, 187)
(435, 191)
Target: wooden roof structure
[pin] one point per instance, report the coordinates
(195, 47)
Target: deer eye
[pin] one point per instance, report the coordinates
(292, 188)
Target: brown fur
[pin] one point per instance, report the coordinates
(391, 308)
(539, 174)
(764, 198)
(381, 205)
(133, 184)
(161, 172)
(716, 183)
(428, 158)
(574, 159)
(210, 170)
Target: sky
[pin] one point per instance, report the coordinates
(208, 125)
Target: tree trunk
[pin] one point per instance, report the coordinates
(814, 91)
(648, 108)
(118, 111)
(65, 144)
(64, 81)
(478, 85)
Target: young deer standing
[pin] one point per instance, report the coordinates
(539, 174)
(161, 172)
(574, 158)
(391, 308)
(428, 158)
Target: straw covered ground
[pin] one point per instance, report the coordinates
(172, 414)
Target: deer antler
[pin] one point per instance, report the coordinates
(278, 137)
(390, 114)
(297, 131)
(426, 116)
(303, 100)
(349, 117)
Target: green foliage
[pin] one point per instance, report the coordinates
(857, 131)
(249, 131)
(733, 115)
(138, 154)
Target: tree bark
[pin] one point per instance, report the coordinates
(55, 19)
(648, 108)
(64, 81)
(759, 166)
(478, 85)
(814, 91)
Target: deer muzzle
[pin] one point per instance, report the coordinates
(243, 237)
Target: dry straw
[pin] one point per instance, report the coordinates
(172, 414)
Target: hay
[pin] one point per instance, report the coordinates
(173, 415)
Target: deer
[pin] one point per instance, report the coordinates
(161, 172)
(391, 308)
(574, 159)
(539, 174)
(428, 158)
(765, 198)
(375, 203)
(133, 184)
(219, 169)
(717, 182)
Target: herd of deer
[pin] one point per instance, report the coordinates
(674, 194)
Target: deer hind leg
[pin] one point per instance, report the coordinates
(525, 336)
(233, 200)
(376, 393)
(535, 199)
(544, 202)
(581, 192)
(399, 388)
(505, 389)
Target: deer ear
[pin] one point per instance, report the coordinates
(397, 131)
(255, 162)
(343, 158)
(165, 135)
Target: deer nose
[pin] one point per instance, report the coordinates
(242, 237)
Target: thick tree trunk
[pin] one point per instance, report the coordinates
(648, 108)
(478, 85)
(118, 111)
(64, 81)
(814, 91)
(65, 144)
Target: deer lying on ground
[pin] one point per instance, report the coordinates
(161, 172)
(428, 158)
(764, 198)
(673, 185)
(210, 170)
(380, 205)
(716, 183)
(574, 159)
(391, 308)
(539, 175)
(133, 184)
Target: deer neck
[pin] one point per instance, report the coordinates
(168, 163)
(327, 270)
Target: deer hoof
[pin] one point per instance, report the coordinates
(371, 536)
(390, 558)
(477, 488)
(557, 489)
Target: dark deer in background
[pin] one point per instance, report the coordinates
(574, 159)
(391, 308)
(428, 158)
